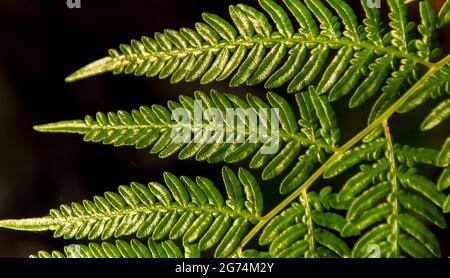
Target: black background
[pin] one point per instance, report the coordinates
(41, 42)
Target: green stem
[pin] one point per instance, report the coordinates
(309, 224)
(30, 224)
(108, 63)
(384, 117)
(80, 127)
(392, 199)
(50, 223)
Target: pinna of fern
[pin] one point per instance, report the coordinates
(311, 227)
(123, 249)
(196, 213)
(388, 198)
(303, 144)
(370, 57)
(193, 211)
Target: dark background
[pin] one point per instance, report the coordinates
(41, 42)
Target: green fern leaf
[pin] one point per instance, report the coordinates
(414, 248)
(362, 179)
(375, 235)
(345, 161)
(367, 219)
(380, 199)
(423, 185)
(286, 238)
(250, 51)
(401, 28)
(192, 211)
(421, 206)
(122, 249)
(436, 86)
(444, 180)
(420, 232)
(153, 127)
(410, 156)
(444, 155)
(320, 52)
(367, 200)
(444, 15)
(279, 223)
(427, 46)
(296, 231)
(329, 220)
(446, 208)
(437, 116)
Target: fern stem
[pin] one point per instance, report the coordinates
(384, 117)
(392, 199)
(108, 64)
(49, 223)
(310, 225)
(437, 66)
(31, 224)
(80, 127)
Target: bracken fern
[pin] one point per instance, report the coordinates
(319, 51)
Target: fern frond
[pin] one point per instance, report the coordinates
(436, 86)
(307, 228)
(427, 46)
(183, 209)
(308, 141)
(122, 249)
(250, 51)
(387, 197)
(402, 30)
(321, 52)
